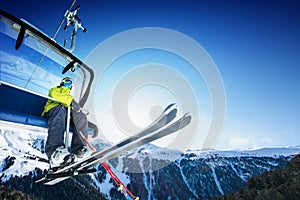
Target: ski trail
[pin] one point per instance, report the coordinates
(9, 143)
(185, 180)
(261, 167)
(216, 180)
(237, 173)
(150, 178)
(7, 135)
(145, 179)
(19, 146)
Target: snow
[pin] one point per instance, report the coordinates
(261, 152)
(154, 152)
(18, 144)
(186, 181)
(239, 175)
(23, 145)
(104, 187)
(216, 180)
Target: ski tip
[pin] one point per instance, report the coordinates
(185, 120)
(188, 117)
(170, 107)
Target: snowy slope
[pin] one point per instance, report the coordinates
(150, 171)
(157, 173)
(261, 152)
(20, 151)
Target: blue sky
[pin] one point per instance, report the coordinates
(254, 44)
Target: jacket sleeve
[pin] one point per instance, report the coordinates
(62, 95)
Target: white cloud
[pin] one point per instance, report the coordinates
(250, 141)
(240, 142)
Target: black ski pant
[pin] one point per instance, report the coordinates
(57, 118)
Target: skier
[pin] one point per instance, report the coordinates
(56, 114)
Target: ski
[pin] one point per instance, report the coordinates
(168, 114)
(172, 128)
(104, 156)
(52, 176)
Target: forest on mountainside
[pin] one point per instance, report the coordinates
(279, 184)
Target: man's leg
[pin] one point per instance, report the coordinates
(81, 124)
(56, 128)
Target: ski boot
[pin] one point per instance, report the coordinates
(60, 158)
(82, 153)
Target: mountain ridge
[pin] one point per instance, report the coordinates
(149, 171)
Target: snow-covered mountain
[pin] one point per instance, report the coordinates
(197, 174)
(150, 172)
(21, 152)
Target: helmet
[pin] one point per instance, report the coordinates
(67, 82)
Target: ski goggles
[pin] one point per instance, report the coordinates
(67, 82)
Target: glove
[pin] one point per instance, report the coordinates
(75, 106)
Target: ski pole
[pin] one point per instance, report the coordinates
(119, 183)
